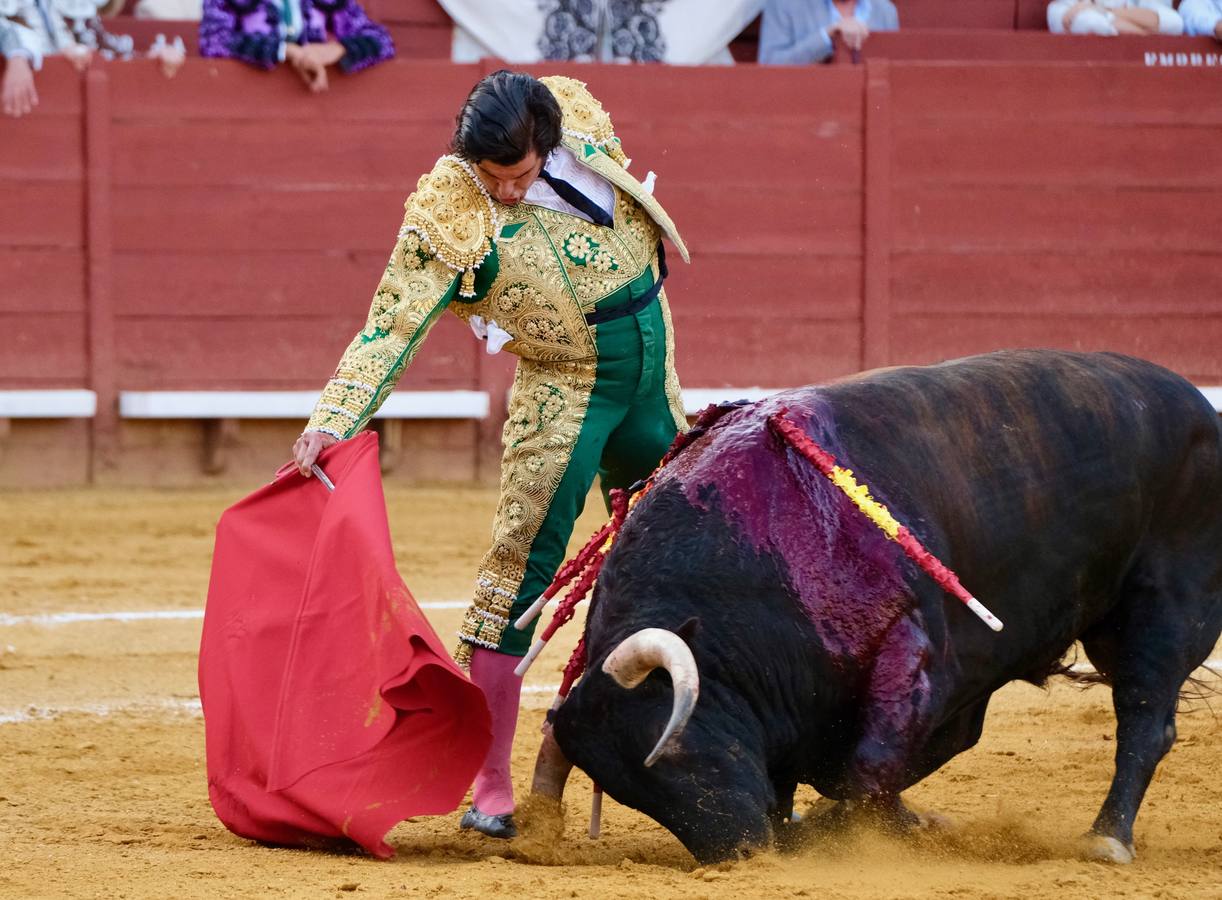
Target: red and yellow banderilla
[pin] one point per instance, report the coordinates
(878, 514)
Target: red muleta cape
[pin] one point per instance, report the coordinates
(332, 711)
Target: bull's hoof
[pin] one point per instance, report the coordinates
(494, 826)
(828, 816)
(1102, 848)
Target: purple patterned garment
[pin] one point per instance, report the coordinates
(249, 30)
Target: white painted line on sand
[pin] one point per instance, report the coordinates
(172, 705)
(42, 713)
(192, 706)
(72, 618)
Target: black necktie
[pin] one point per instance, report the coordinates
(571, 195)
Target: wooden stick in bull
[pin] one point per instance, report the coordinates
(878, 514)
(587, 562)
(603, 538)
(567, 573)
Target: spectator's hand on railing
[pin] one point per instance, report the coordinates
(852, 31)
(307, 448)
(79, 55)
(311, 61)
(17, 94)
(170, 56)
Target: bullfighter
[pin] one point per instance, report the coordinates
(532, 230)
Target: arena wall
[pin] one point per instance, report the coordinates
(224, 231)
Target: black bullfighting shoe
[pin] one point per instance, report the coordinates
(494, 826)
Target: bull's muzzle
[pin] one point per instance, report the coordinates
(653, 648)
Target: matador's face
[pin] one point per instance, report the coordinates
(508, 184)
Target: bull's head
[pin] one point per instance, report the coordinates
(635, 726)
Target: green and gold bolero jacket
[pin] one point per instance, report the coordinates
(536, 272)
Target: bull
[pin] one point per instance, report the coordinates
(751, 630)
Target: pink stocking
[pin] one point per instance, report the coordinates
(493, 673)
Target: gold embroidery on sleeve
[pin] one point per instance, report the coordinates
(408, 300)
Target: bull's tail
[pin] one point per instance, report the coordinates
(1200, 688)
(1079, 673)
(1202, 685)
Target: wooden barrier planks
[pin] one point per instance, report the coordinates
(955, 43)
(410, 12)
(42, 238)
(762, 172)
(1103, 93)
(1058, 206)
(838, 216)
(964, 14)
(281, 353)
(269, 216)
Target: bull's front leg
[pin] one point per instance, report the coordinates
(896, 718)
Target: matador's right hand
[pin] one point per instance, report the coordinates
(307, 448)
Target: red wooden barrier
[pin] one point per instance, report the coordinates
(946, 44)
(956, 14)
(839, 217)
(1061, 206)
(42, 239)
(265, 221)
(1031, 14)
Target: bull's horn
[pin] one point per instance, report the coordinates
(648, 649)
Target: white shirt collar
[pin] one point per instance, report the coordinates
(563, 164)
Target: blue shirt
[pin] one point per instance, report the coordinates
(794, 32)
(1201, 16)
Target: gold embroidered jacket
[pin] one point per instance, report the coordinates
(536, 272)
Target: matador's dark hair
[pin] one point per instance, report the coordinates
(506, 116)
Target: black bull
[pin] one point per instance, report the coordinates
(1079, 496)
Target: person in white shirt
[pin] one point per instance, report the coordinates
(1202, 17)
(1113, 17)
(31, 30)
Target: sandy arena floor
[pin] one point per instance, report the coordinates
(103, 794)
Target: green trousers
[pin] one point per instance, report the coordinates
(627, 429)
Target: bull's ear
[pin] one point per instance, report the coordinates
(688, 630)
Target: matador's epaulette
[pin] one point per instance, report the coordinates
(583, 116)
(589, 135)
(454, 216)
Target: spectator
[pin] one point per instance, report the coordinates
(84, 20)
(17, 94)
(795, 32)
(1112, 17)
(310, 35)
(31, 30)
(1202, 17)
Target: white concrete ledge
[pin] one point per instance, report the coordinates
(696, 399)
(50, 404)
(293, 405)
(82, 404)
